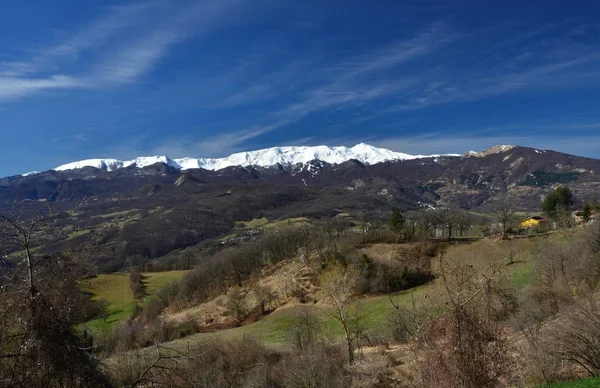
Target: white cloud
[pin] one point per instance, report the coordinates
(99, 32)
(13, 88)
(119, 47)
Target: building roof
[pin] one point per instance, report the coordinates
(537, 218)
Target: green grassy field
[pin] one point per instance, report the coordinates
(264, 223)
(585, 383)
(277, 329)
(117, 214)
(287, 221)
(79, 233)
(114, 288)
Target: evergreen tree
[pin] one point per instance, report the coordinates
(136, 283)
(587, 212)
(397, 222)
(559, 201)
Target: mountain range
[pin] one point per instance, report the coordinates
(154, 205)
(472, 180)
(284, 156)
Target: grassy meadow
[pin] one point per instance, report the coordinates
(115, 290)
(585, 383)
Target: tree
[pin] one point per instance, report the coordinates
(264, 296)
(363, 219)
(40, 304)
(465, 346)
(397, 221)
(188, 256)
(587, 212)
(578, 336)
(505, 215)
(463, 220)
(450, 218)
(340, 224)
(136, 283)
(338, 287)
(236, 305)
(412, 218)
(557, 202)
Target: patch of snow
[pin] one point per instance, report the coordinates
(490, 151)
(31, 173)
(146, 161)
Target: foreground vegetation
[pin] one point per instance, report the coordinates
(431, 299)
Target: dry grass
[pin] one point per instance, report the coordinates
(283, 278)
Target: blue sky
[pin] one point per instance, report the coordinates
(88, 79)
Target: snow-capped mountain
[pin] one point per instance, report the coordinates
(286, 156)
(114, 164)
(30, 173)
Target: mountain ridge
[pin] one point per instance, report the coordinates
(285, 156)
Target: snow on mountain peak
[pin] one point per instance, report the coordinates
(146, 161)
(490, 151)
(102, 164)
(286, 156)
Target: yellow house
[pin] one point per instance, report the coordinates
(533, 221)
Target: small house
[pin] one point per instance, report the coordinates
(533, 221)
(578, 217)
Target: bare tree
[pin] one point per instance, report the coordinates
(188, 255)
(464, 347)
(578, 336)
(463, 221)
(505, 216)
(338, 287)
(237, 306)
(40, 303)
(412, 220)
(264, 296)
(307, 332)
(363, 219)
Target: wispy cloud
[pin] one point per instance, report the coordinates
(252, 90)
(119, 47)
(12, 88)
(220, 145)
(436, 67)
(349, 82)
(394, 77)
(96, 34)
(126, 62)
